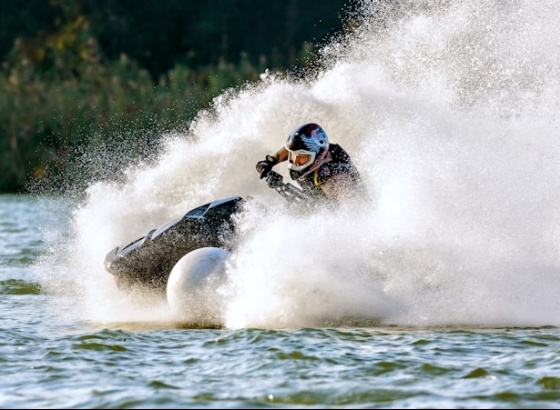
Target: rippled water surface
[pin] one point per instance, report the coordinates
(52, 360)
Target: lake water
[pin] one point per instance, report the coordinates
(53, 359)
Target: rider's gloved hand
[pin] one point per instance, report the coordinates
(265, 166)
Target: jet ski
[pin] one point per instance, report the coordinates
(147, 262)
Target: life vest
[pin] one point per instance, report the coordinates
(339, 164)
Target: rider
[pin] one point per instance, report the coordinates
(323, 170)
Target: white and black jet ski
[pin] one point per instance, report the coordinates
(147, 262)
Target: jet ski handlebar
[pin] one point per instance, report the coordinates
(287, 190)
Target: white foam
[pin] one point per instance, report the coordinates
(451, 114)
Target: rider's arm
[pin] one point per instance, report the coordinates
(266, 165)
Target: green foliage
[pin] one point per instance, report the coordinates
(70, 90)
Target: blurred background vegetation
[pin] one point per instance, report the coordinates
(87, 77)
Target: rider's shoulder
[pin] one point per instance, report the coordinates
(338, 153)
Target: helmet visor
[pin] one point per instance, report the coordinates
(299, 160)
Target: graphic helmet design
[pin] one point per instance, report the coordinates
(309, 140)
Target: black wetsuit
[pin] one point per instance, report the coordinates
(340, 164)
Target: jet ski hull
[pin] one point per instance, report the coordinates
(148, 261)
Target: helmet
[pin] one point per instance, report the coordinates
(310, 140)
